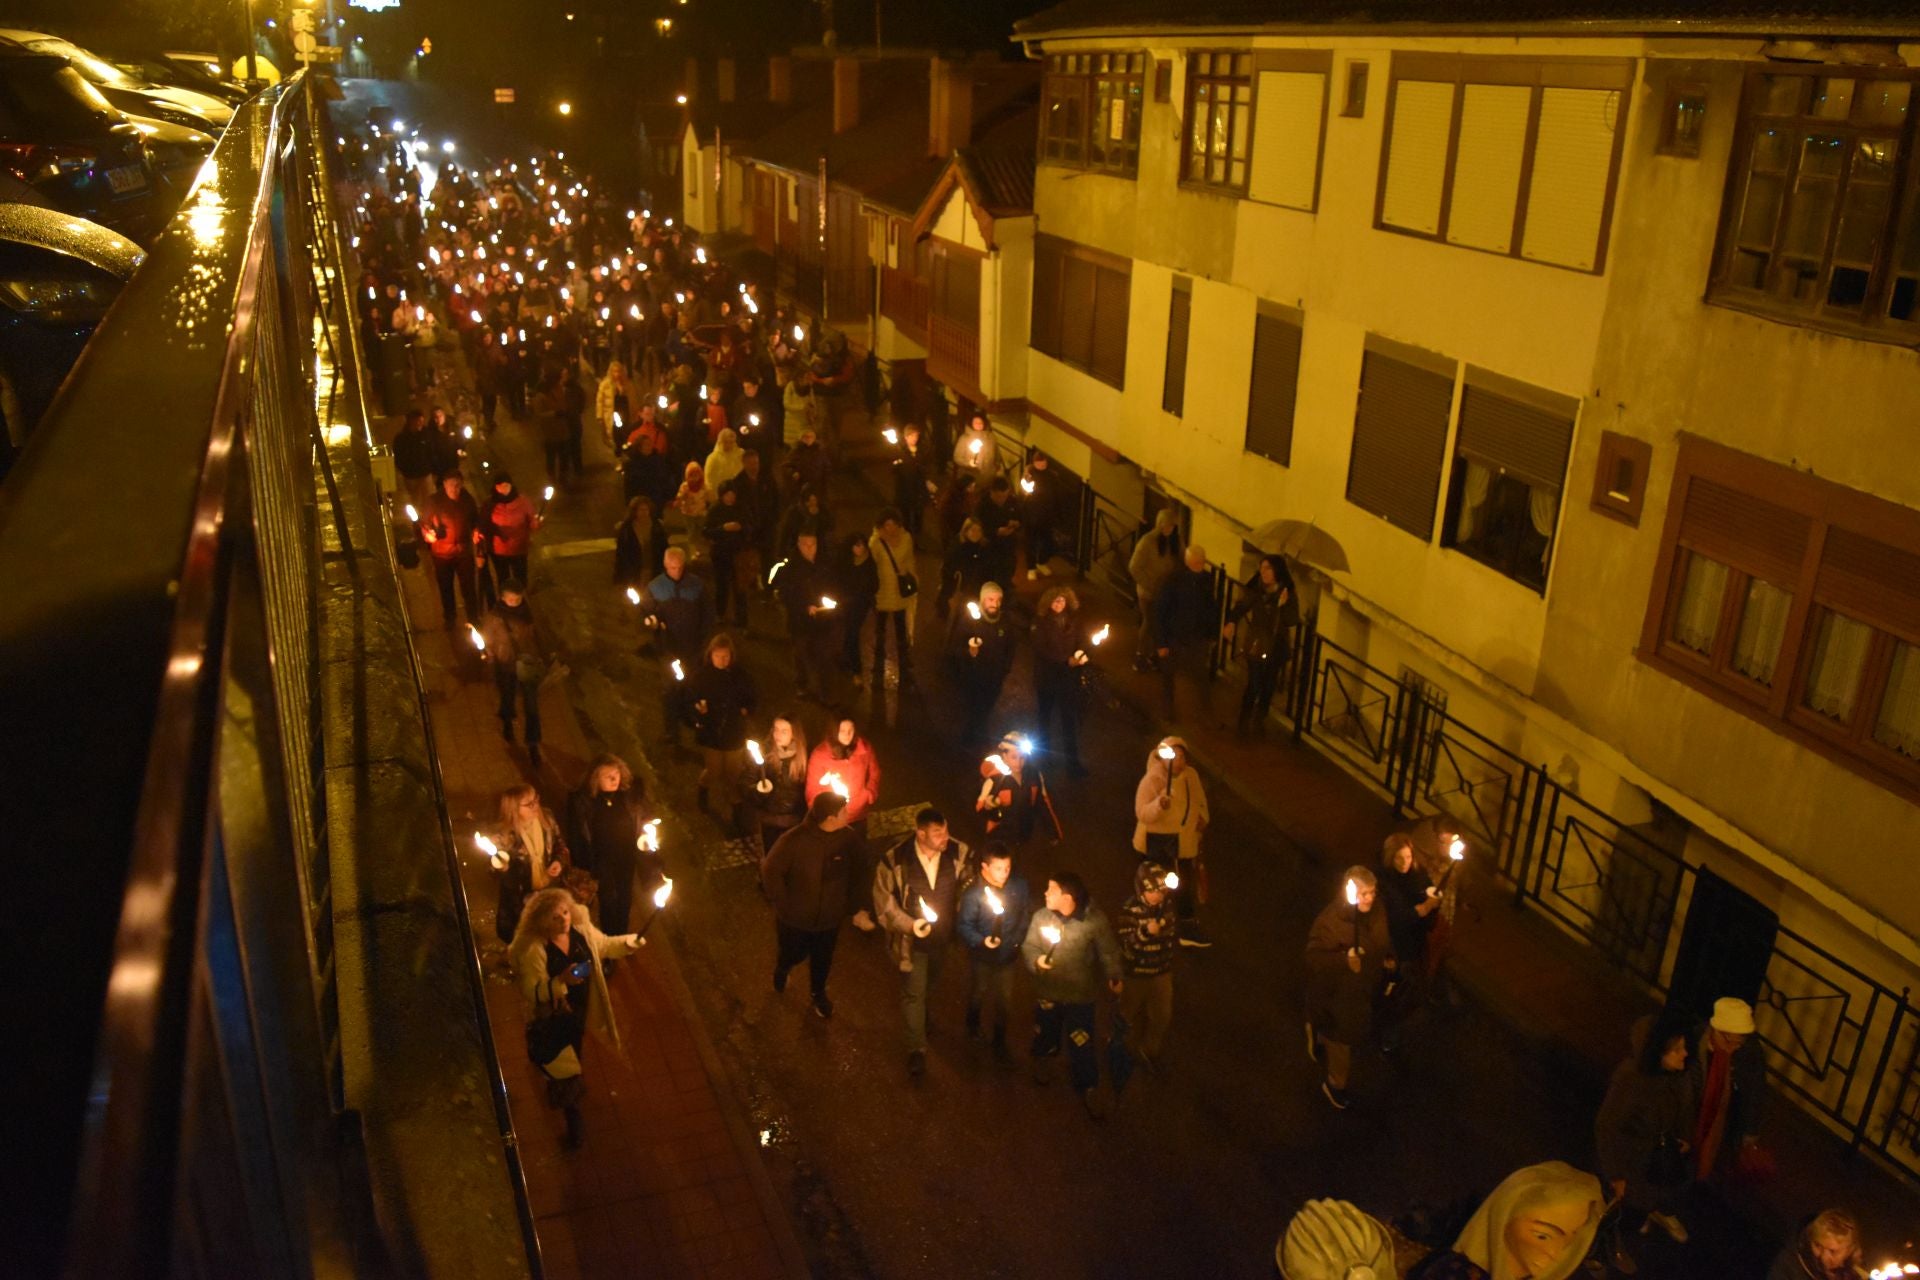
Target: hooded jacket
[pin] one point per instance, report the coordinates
(1185, 813)
(1086, 957)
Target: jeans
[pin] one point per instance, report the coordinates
(510, 569)
(813, 946)
(1147, 1005)
(1073, 1023)
(1263, 678)
(990, 993)
(507, 680)
(1057, 686)
(897, 619)
(916, 985)
(446, 569)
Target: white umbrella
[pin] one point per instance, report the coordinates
(1302, 541)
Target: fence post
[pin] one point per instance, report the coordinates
(1083, 530)
(1541, 786)
(1404, 779)
(1900, 1010)
(1302, 691)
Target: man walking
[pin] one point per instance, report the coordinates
(993, 918)
(1148, 929)
(916, 899)
(980, 653)
(1069, 948)
(807, 876)
(1155, 556)
(1184, 616)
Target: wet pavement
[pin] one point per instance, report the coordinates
(975, 1171)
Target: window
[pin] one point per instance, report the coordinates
(1292, 88)
(1219, 120)
(1173, 389)
(1091, 113)
(1400, 434)
(1796, 601)
(1080, 304)
(1355, 104)
(1163, 80)
(1507, 155)
(1820, 224)
(1510, 465)
(1620, 477)
(1685, 115)
(1276, 376)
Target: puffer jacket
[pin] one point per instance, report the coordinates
(1086, 957)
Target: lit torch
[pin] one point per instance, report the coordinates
(494, 853)
(1052, 935)
(753, 751)
(1353, 900)
(479, 641)
(679, 672)
(995, 905)
(891, 436)
(660, 897)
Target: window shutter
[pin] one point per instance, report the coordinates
(1523, 437)
(1572, 164)
(1046, 295)
(1399, 441)
(1751, 534)
(1417, 155)
(1173, 395)
(1286, 150)
(1870, 581)
(1270, 397)
(1077, 307)
(1109, 313)
(1486, 170)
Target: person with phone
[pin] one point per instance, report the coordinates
(558, 961)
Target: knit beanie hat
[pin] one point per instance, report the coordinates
(1148, 876)
(1333, 1240)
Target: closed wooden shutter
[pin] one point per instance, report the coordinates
(1416, 164)
(1109, 363)
(1173, 394)
(1399, 440)
(1486, 172)
(1275, 380)
(1870, 581)
(1529, 441)
(1572, 167)
(1286, 144)
(1047, 262)
(1077, 312)
(1751, 534)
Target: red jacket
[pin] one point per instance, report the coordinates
(511, 525)
(860, 771)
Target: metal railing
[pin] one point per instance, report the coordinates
(178, 553)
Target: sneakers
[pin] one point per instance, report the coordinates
(1669, 1224)
(863, 921)
(1192, 935)
(823, 1006)
(917, 1063)
(1335, 1095)
(1032, 574)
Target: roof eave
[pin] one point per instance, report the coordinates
(1678, 27)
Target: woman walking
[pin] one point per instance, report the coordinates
(535, 854)
(775, 788)
(558, 961)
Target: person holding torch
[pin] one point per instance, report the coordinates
(510, 645)
(1349, 955)
(1170, 815)
(916, 898)
(450, 526)
(1062, 649)
(979, 655)
(844, 764)
(992, 920)
(1068, 950)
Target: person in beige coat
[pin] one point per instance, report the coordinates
(1170, 815)
(559, 963)
(892, 549)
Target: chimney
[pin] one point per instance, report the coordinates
(846, 94)
(780, 79)
(949, 108)
(724, 80)
(690, 79)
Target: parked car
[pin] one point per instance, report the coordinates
(58, 276)
(59, 136)
(151, 101)
(182, 72)
(177, 154)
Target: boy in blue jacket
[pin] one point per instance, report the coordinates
(992, 922)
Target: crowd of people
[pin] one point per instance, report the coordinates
(723, 412)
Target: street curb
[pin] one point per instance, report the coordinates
(773, 1208)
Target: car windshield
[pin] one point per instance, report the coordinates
(51, 93)
(86, 64)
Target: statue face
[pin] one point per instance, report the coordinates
(1537, 1237)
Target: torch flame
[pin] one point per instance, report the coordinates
(1051, 934)
(1100, 636)
(799, 334)
(927, 912)
(679, 672)
(753, 749)
(488, 847)
(1457, 849)
(993, 902)
(1353, 893)
(828, 602)
(1165, 752)
(479, 641)
(633, 595)
(649, 835)
(973, 610)
(413, 513)
(661, 894)
(1026, 485)
(835, 783)
(547, 495)
(974, 447)
(1004, 769)
(892, 436)
(1173, 880)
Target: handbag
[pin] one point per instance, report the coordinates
(907, 585)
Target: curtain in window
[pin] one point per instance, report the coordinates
(1543, 506)
(1898, 725)
(1763, 621)
(1697, 615)
(1833, 669)
(1473, 500)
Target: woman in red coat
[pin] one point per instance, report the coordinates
(847, 758)
(508, 522)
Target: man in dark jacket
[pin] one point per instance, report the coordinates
(519, 664)
(1149, 937)
(806, 876)
(807, 585)
(678, 608)
(1069, 948)
(1039, 509)
(980, 653)
(992, 920)
(916, 899)
(1184, 619)
(450, 526)
(420, 453)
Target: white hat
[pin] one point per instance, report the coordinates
(1333, 1240)
(1733, 1016)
